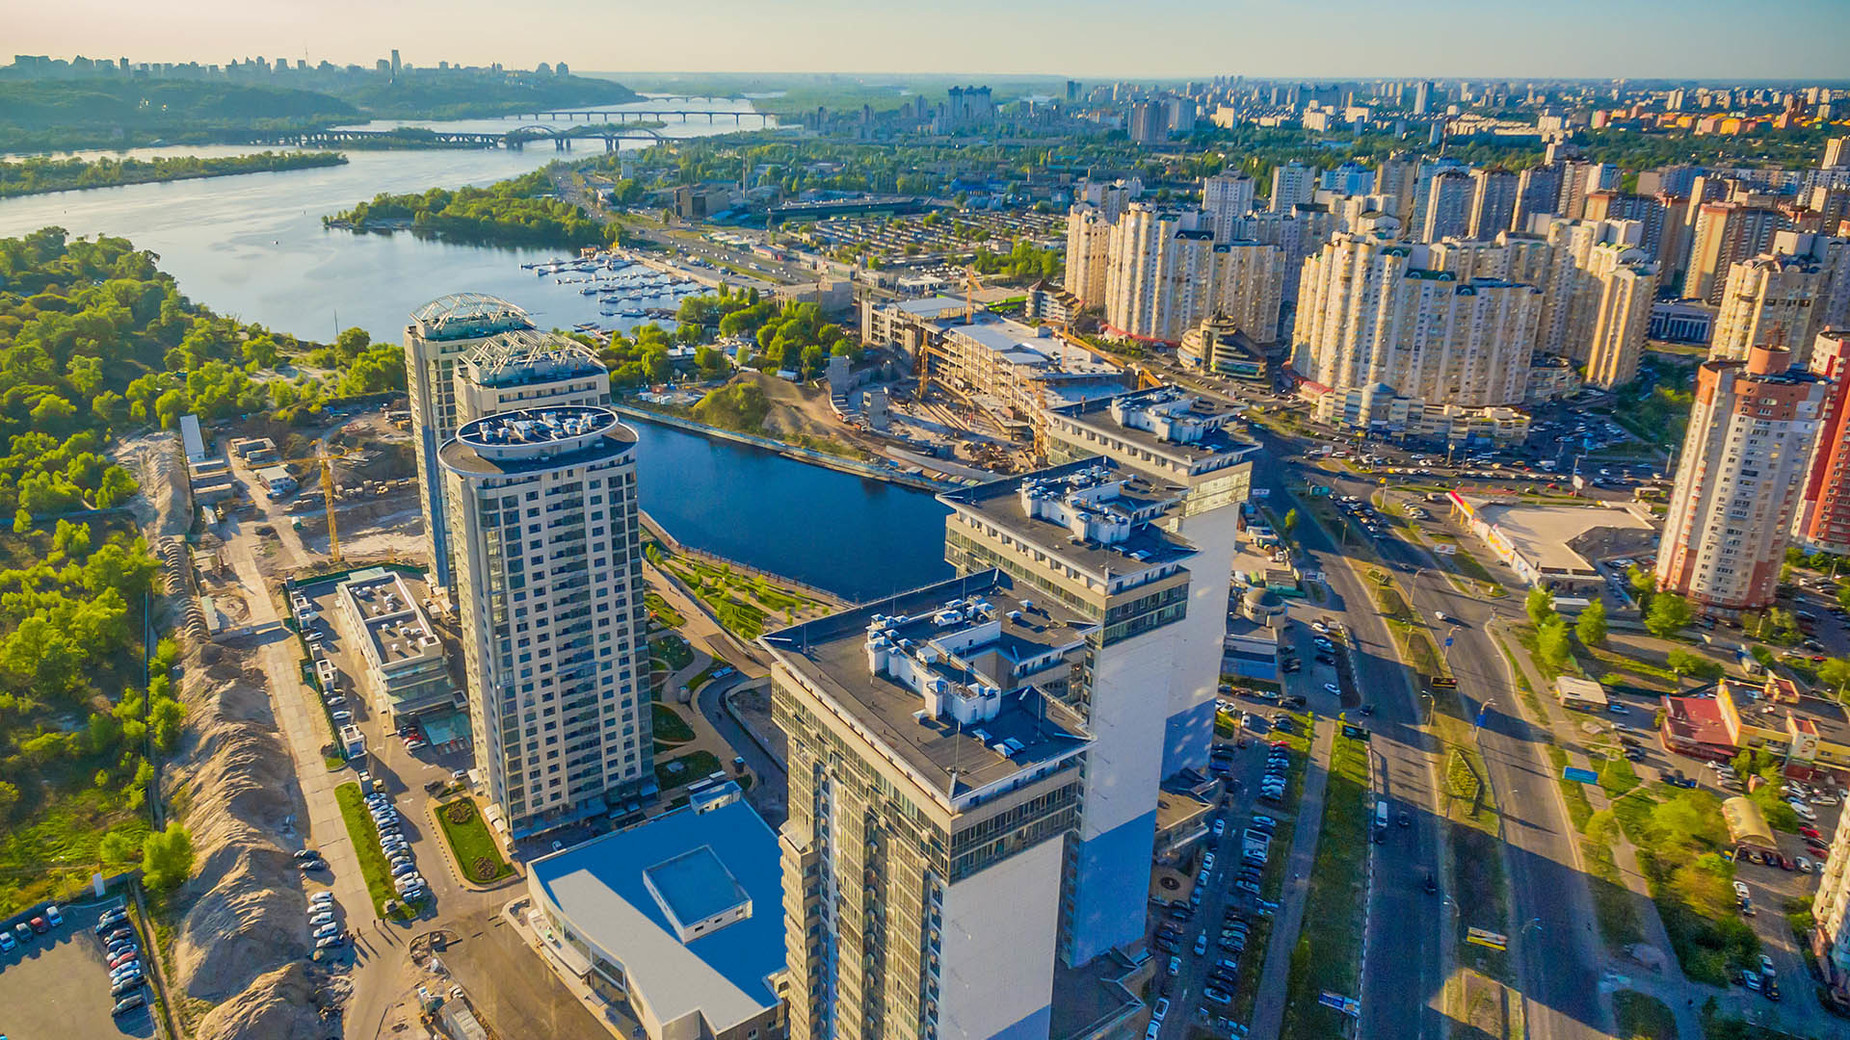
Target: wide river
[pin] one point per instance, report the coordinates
(253, 246)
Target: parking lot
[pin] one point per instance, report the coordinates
(1203, 939)
(56, 986)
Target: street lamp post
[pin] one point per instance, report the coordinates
(1483, 713)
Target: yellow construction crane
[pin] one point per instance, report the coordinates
(971, 286)
(325, 460)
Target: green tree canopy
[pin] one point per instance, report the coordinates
(1591, 626)
(1669, 614)
(1540, 603)
(167, 858)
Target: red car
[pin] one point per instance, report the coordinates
(126, 958)
(1811, 832)
(39, 925)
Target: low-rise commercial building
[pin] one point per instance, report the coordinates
(678, 922)
(406, 670)
(1221, 345)
(1252, 646)
(276, 481)
(1580, 694)
(1384, 412)
(1538, 542)
(211, 480)
(1809, 736)
(1681, 321)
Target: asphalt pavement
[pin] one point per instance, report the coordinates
(1557, 960)
(1405, 970)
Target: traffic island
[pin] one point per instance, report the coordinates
(1328, 958)
(472, 848)
(374, 867)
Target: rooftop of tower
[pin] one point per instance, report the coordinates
(468, 315)
(958, 681)
(540, 438)
(1191, 430)
(1092, 514)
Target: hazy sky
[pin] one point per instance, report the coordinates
(1708, 39)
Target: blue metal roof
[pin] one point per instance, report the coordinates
(599, 886)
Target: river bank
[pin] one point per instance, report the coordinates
(854, 467)
(41, 176)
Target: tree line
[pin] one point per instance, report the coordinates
(521, 210)
(39, 175)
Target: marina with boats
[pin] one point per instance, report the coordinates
(626, 287)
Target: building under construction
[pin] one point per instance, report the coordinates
(1008, 371)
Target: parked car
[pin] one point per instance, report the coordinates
(128, 1004)
(53, 916)
(127, 986)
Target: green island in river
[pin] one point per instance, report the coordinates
(37, 176)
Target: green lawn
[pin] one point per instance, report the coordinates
(1579, 809)
(365, 837)
(1642, 1017)
(672, 650)
(1328, 954)
(1617, 777)
(1613, 903)
(51, 852)
(474, 848)
(661, 611)
(669, 727)
(693, 766)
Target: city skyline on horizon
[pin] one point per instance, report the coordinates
(1430, 38)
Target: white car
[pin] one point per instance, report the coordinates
(318, 920)
(1803, 810)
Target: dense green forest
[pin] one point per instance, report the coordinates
(793, 337)
(94, 338)
(519, 211)
(35, 176)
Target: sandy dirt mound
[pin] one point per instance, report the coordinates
(795, 409)
(279, 1005)
(164, 506)
(245, 907)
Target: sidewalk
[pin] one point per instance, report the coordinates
(1269, 1005)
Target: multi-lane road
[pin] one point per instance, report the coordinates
(1405, 966)
(1559, 958)
(1409, 943)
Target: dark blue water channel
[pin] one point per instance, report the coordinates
(854, 536)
